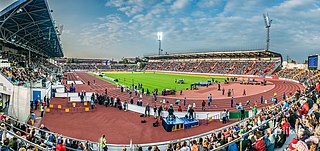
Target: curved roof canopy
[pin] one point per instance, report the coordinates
(28, 24)
(218, 54)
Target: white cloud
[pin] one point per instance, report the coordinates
(208, 3)
(238, 25)
(179, 4)
(115, 3)
(130, 7)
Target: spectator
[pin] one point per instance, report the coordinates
(260, 144)
(61, 147)
(270, 140)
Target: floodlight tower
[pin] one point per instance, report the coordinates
(267, 22)
(159, 34)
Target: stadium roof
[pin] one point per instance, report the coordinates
(220, 54)
(28, 24)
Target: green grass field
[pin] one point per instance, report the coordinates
(151, 80)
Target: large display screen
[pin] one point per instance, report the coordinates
(313, 62)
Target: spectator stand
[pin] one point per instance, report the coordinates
(245, 135)
(94, 146)
(9, 134)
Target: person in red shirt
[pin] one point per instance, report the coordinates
(285, 126)
(61, 147)
(179, 109)
(305, 108)
(203, 105)
(260, 144)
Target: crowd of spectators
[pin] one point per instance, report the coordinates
(287, 73)
(21, 136)
(21, 76)
(297, 116)
(218, 67)
(118, 67)
(307, 74)
(21, 72)
(269, 129)
(79, 67)
(300, 75)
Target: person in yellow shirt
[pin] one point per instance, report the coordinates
(42, 110)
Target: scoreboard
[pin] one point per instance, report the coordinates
(313, 62)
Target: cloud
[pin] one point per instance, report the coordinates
(115, 3)
(212, 24)
(129, 8)
(208, 3)
(179, 4)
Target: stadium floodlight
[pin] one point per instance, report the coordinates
(160, 35)
(267, 22)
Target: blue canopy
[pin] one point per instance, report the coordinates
(28, 24)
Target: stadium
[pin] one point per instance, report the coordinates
(235, 100)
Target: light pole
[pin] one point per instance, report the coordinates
(159, 35)
(267, 22)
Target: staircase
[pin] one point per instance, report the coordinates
(275, 67)
(231, 69)
(317, 74)
(196, 67)
(299, 73)
(212, 67)
(253, 64)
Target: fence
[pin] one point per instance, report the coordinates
(28, 143)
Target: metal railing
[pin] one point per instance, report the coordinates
(28, 143)
(267, 122)
(94, 146)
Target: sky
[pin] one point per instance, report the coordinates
(128, 28)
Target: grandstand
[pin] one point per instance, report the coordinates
(29, 41)
(255, 62)
(78, 64)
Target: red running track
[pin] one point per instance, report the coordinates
(219, 102)
(120, 126)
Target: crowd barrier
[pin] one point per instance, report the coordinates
(69, 94)
(198, 115)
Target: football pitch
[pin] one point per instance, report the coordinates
(153, 80)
